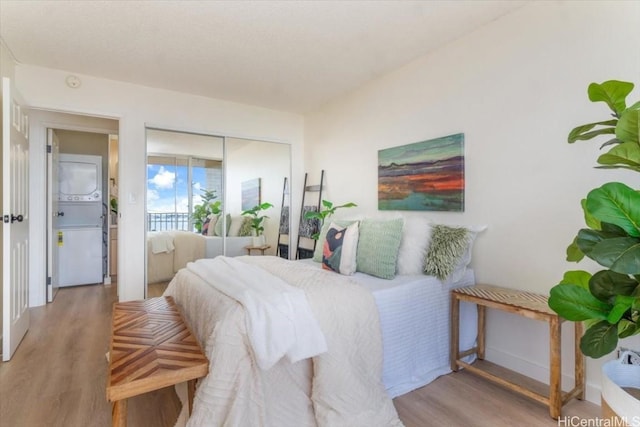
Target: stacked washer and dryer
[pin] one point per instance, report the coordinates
(81, 220)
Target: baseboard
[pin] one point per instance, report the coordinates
(107, 280)
(539, 372)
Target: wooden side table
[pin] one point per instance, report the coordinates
(257, 248)
(532, 306)
(151, 348)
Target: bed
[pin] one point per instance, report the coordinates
(169, 251)
(410, 322)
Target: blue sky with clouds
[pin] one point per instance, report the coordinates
(167, 187)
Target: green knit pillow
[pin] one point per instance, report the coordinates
(448, 245)
(378, 247)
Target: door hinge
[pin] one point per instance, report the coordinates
(48, 280)
(6, 218)
(48, 149)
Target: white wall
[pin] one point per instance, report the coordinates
(515, 87)
(136, 107)
(246, 160)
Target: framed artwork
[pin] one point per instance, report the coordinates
(250, 193)
(423, 176)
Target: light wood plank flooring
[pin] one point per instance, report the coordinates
(58, 376)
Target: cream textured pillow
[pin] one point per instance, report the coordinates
(234, 228)
(211, 231)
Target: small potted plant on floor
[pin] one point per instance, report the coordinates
(257, 219)
(609, 300)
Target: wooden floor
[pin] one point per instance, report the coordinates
(58, 376)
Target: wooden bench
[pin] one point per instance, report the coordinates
(532, 306)
(151, 348)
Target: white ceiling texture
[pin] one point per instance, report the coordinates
(285, 55)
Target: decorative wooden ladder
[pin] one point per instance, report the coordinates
(308, 227)
(282, 249)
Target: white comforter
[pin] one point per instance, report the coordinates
(341, 387)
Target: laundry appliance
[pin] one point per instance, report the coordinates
(81, 220)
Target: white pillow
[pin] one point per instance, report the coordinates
(211, 231)
(416, 237)
(465, 259)
(234, 228)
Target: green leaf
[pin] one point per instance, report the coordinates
(612, 141)
(627, 328)
(584, 132)
(575, 303)
(599, 339)
(618, 204)
(628, 127)
(607, 284)
(587, 239)
(620, 254)
(327, 204)
(620, 307)
(613, 92)
(577, 278)
(589, 219)
(574, 254)
(627, 153)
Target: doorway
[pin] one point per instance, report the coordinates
(75, 133)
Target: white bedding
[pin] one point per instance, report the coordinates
(341, 387)
(414, 318)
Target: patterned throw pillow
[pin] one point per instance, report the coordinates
(205, 227)
(245, 228)
(340, 249)
(448, 245)
(378, 247)
(317, 253)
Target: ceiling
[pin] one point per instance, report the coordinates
(285, 55)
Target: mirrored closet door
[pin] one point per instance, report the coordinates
(198, 186)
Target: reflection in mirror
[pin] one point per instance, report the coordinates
(198, 186)
(184, 192)
(256, 171)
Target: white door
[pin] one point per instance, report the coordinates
(52, 215)
(15, 220)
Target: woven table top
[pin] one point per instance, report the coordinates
(512, 297)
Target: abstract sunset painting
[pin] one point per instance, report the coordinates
(423, 176)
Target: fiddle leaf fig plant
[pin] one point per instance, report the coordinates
(609, 300)
(207, 207)
(256, 217)
(328, 210)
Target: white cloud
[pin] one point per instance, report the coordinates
(164, 179)
(152, 195)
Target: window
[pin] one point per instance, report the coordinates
(175, 185)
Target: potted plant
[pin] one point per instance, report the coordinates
(609, 300)
(256, 222)
(206, 208)
(328, 210)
